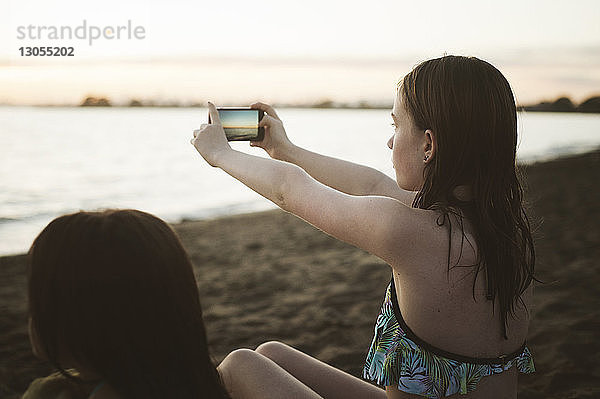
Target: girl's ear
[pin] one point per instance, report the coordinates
(429, 146)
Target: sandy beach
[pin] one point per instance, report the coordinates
(271, 276)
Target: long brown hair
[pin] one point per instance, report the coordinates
(114, 291)
(470, 107)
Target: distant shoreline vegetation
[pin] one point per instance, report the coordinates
(326, 103)
(562, 104)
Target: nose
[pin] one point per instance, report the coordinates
(390, 143)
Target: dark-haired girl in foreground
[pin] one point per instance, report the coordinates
(114, 307)
(454, 319)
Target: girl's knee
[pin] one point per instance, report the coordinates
(239, 358)
(272, 349)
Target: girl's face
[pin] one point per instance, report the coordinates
(409, 146)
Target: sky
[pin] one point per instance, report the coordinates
(290, 52)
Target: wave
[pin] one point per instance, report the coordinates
(558, 151)
(49, 214)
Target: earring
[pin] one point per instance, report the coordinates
(426, 157)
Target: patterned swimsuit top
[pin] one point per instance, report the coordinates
(398, 357)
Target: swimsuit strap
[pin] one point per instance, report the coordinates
(503, 359)
(97, 388)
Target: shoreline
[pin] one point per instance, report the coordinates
(569, 151)
(520, 108)
(270, 276)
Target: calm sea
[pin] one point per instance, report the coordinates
(59, 160)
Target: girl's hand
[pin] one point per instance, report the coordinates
(276, 142)
(210, 139)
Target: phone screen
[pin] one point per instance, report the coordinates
(240, 124)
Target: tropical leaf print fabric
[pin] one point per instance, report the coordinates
(395, 359)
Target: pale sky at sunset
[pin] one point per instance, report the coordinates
(283, 51)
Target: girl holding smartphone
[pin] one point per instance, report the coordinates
(454, 317)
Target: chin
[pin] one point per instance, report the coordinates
(402, 184)
(406, 185)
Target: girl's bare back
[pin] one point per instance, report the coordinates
(439, 307)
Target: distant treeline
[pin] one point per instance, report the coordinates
(563, 104)
(105, 102)
(326, 103)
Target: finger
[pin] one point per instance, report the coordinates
(202, 127)
(257, 144)
(267, 121)
(214, 114)
(265, 107)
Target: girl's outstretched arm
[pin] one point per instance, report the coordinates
(381, 225)
(348, 177)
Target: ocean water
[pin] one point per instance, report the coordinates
(59, 160)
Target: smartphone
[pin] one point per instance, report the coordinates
(241, 123)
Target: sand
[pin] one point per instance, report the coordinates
(270, 276)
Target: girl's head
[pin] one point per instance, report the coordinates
(457, 128)
(456, 125)
(113, 294)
